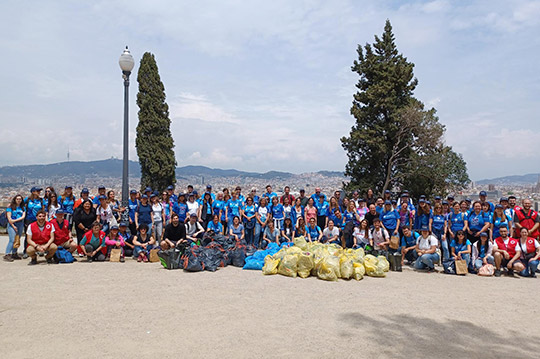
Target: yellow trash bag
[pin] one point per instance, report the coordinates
(305, 264)
(359, 252)
(270, 265)
(358, 271)
(288, 265)
(293, 250)
(371, 258)
(329, 269)
(281, 253)
(372, 268)
(346, 267)
(300, 242)
(334, 250)
(383, 263)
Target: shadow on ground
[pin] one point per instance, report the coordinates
(405, 336)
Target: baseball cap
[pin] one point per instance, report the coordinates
(422, 200)
(387, 202)
(424, 228)
(35, 189)
(193, 215)
(450, 198)
(468, 200)
(482, 193)
(504, 199)
(194, 192)
(85, 190)
(144, 196)
(302, 190)
(122, 224)
(114, 226)
(153, 195)
(403, 195)
(208, 186)
(101, 187)
(437, 198)
(393, 201)
(100, 197)
(483, 234)
(147, 189)
(170, 188)
(498, 206)
(428, 203)
(60, 211)
(67, 187)
(423, 196)
(445, 202)
(387, 191)
(133, 191)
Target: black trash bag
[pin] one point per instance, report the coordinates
(250, 250)
(171, 258)
(207, 238)
(224, 241)
(237, 256)
(213, 257)
(192, 260)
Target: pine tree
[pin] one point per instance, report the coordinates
(154, 140)
(392, 129)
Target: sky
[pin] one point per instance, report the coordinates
(264, 85)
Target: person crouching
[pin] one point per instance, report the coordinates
(93, 243)
(143, 243)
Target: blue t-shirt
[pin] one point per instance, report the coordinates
(219, 206)
(270, 196)
(389, 219)
(409, 241)
(15, 213)
(460, 247)
(233, 208)
(476, 221)
(457, 221)
(422, 220)
(316, 197)
(322, 208)
(96, 200)
(250, 210)
(438, 221)
(33, 207)
(181, 209)
(217, 228)
(313, 232)
(67, 204)
(238, 230)
(145, 213)
(498, 223)
(277, 211)
(132, 205)
(338, 222)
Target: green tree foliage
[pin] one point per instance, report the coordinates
(395, 139)
(154, 140)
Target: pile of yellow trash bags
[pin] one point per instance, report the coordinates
(325, 261)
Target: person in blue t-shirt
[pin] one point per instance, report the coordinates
(317, 195)
(233, 209)
(15, 214)
(313, 231)
(482, 198)
(456, 220)
(249, 211)
(143, 214)
(67, 201)
(408, 246)
(423, 213)
(102, 191)
(322, 212)
(269, 194)
(437, 226)
(181, 208)
(172, 197)
(500, 219)
(215, 226)
(277, 213)
(461, 247)
(379, 204)
(476, 223)
(390, 218)
(209, 190)
(218, 207)
(133, 203)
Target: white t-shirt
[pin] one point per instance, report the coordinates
(29, 230)
(263, 212)
(425, 244)
(156, 212)
(361, 236)
(105, 214)
(524, 246)
(379, 236)
(330, 233)
(193, 207)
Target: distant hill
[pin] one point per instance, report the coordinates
(113, 168)
(523, 179)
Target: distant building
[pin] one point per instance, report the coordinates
(491, 187)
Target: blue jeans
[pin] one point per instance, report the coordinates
(530, 269)
(258, 234)
(139, 249)
(427, 260)
(479, 262)
(249, 235)
(444, 244)
(12, 233)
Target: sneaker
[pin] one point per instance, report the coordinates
(497, 272)
(89, 260)
(32, 262)
(8, 258)
(41, 254)
(15, 256)
(81, 255)
(510, 273)
(430, 270)
(24, 256)
(139, 258)
(50, 261)
(144, 258)
(122, 260)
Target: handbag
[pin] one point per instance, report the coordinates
(486, 270)
(394, 242)
(461, 266)
(116, 253)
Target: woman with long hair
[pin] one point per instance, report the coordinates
(482, 252)
(476, 223)
(236, 231)
(310, 211)
(287, 232)
(461, 247)
(362, 234)
(166, 202)
(52, 206)
(277, 213)
(104, 214)
(263, 216)
(205, 210)
(530, 252)
(15, 214)
(500, 219)
(437, 226)
(83, 218)
(300, 229)
(67, 201)
(158, 214)
(298, 211)
(115, 205)
(249, 213)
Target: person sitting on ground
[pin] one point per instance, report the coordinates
(331, 234)
(143, 242)
(408, 246)
(507, 253)
(40, 237)
(194, 230)
(62, 233)
(426, 248)
(175, 232)
(115, 241)
(300, 229)
(362, 235)
(237, 229)
(482, 252)
(379, 236)
(93, 243)
(128, 239)
(270, 235)
(313, 231)
(461, 248)
(287, 232)
(215, 225)
(530, 251)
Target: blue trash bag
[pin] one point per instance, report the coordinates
(253, 263)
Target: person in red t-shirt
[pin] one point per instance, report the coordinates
(507, 252)
(40, 236)
(62, 233)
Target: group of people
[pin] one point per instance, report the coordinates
(505, 234)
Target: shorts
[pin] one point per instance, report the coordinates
(504, 262)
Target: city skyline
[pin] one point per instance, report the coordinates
(265, 86)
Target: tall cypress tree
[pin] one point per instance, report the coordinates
(154, 140)
(393, 134)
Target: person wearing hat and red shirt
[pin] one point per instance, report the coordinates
(62, 232)
(506, 251)
(527, 218)
(85, 194)
(40, 237)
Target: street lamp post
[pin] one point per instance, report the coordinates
(126, 64)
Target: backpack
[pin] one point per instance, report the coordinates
(62, 255)
(3, 219)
